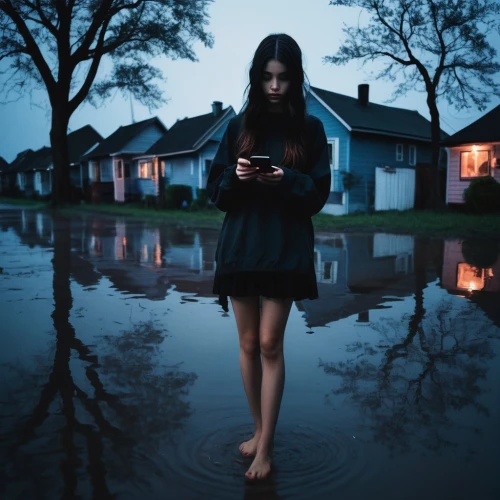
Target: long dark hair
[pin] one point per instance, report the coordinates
(284, 49)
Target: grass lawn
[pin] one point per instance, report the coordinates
(445, 223)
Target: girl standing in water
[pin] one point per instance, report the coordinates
(265, 253)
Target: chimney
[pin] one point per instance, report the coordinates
(363, 94)
(217, 108)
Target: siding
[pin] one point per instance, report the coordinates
(181, 171)
(455, 186)
(207, 153)
(144, 140)
(106, 170)
(370, 151)
(333, 128)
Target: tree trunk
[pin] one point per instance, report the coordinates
(434, 198)
(61, 186)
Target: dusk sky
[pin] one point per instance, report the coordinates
(222, 73)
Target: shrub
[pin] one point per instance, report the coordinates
(202, 201)
(175, 194)
(480, 253)
(482, 195)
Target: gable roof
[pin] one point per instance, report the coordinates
(80, 141)
(41, 159)
(375, 118)
(189, 134)
(22, 160)
(485, 129)
(121, 137)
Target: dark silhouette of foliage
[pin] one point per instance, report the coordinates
(60, 46)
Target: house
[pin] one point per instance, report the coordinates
(14, 180)
(473, 152)
(80, 142)
(114, 173)
(186, 151)
(34, 169)
(374, 151)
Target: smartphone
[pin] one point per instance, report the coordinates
(263, 163)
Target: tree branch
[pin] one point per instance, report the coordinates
(31, 46)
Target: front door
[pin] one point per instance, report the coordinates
(119, 181)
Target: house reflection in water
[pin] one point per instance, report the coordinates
(460, 276)
(148, 260)
(356, 273)
(480, 285)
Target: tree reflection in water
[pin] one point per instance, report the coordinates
(409, 393)
(107, 414)
(424, 367)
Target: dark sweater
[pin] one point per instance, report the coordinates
(269, 228)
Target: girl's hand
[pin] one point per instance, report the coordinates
(244, 171)
(271, 179)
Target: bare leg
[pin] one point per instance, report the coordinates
(247, 313)
(273, 321)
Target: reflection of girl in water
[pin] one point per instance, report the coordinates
(265, 252)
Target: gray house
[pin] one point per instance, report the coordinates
(376, 149)
(186, 151)
(114, 173)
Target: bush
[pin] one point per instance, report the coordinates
(175, 194)
(202, 201)
(482, 196)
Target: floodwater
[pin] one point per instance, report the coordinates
(120, 374)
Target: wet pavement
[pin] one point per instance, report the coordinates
(120, 373)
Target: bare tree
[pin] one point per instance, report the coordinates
(439, 47)
(59, 46)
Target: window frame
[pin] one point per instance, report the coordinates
(467, 178)
(412, 161)
(333, 160)
(400, 152)
(149, 173)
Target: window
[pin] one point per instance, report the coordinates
(333, 156)
(207, 166)
(329, 272)
(127, 170)
(412, 155)
(119, 169)
(333, 153)
(472, 278)
(162, 169)
(399, 152)
(145, 170)
(474, 163)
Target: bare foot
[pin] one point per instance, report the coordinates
(249, 448)
(260, 468)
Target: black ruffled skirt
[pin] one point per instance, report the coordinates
(270, 284)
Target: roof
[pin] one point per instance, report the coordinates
(485, 129)
(4, 166)
(22, 160)
(80, 141)
(121, 137)
(376, 118)
(41, 159)
(188, 134)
